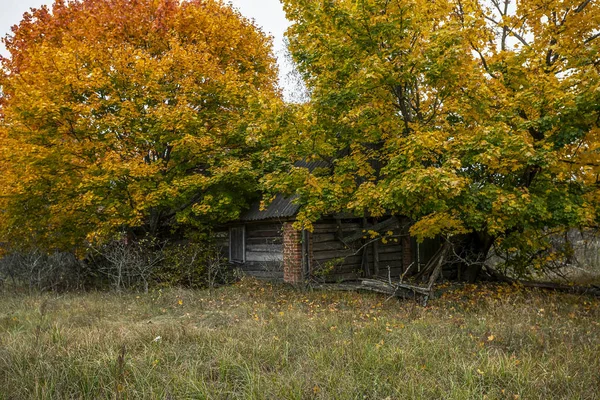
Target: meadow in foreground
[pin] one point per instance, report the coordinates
(262, 341)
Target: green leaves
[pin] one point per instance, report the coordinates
(472, 118)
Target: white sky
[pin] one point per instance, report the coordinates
(267, 14)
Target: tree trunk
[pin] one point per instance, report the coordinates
(474, 252)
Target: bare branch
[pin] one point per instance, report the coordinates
(511, 30)
(595, 36)
(485, 64)
(582, 6)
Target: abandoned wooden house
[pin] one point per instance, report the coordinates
(264, 244)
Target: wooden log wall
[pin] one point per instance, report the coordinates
(264, 250)
(390, 256)
(334, 261)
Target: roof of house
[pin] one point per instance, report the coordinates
(281, 207)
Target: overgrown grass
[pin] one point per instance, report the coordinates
(256, 340)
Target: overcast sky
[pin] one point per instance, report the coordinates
(267, 14)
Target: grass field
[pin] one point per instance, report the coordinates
(256, 340)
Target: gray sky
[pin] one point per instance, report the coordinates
(267, 14)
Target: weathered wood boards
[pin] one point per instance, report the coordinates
(263, 246)
(343, 250)
(339, 249)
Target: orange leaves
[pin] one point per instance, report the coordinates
(118, 116)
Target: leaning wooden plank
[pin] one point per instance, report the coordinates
(430, 266)
(376, 258)
(438, 268)
(376, 286)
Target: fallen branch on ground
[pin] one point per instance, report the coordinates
(574, 289)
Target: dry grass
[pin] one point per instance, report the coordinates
(256, 340)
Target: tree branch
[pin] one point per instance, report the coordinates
(582, 6)
(511, 30)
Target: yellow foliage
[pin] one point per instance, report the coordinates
(118, 113)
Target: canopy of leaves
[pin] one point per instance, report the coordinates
(471, 117)
(121, 114)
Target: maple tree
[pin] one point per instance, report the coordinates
(130, 115)
(479, 120)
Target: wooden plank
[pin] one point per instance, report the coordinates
(331, 254)
(381, 226)
(267, 240)
(264, 227)
(324, 237)
(264, 248)
(386, 257)
(255, 256)
(396, 272)
(332, 226)
(263, 234)
(346, 269)
(346, 261)
(376, 257)
(340, 268)
(384, 267)
(393, 241)
(329, 228)
(390, 249)
(324, 246)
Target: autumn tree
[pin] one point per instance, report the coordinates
(479, 120)
(130, 115)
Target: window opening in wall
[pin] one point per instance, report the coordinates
(237, 244)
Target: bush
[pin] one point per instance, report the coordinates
(140, 264)
(39, 271)
(119, 264)
(195, 265)
(129, 264)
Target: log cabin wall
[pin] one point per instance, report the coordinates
(263, 250)
(335, 260)
(330, 258)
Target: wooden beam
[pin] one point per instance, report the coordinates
(365, 253)
(376, 257)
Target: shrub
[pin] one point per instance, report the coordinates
(195, 265)
(39, 271)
